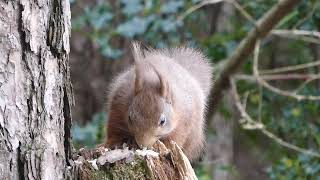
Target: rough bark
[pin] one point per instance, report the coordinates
(163, 163)
(35, 90)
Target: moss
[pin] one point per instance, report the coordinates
(121, 170)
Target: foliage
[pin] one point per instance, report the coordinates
(203, 172)
(296, 122)
(91, 134)
(301, 167)
(153, 21)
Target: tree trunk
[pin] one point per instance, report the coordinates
(35, 90)
(220, 148)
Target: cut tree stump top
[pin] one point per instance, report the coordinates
(163, 163)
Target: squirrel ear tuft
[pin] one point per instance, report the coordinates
(137, 52)
(138, 85)
(137, 56)
(163, 84)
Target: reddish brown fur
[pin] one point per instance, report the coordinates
(173, 83)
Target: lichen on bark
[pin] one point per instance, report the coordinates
(159, 163)
(35, 91)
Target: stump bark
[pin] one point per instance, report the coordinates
(163, 163)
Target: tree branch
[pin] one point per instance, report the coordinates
(290, 68)
(265, 84)
(245, 48)
(307, 36)
(249, 123)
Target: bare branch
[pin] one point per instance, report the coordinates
(246, 118)
(308, 16)
(196, 7)
(277, 77)
(297, 33)
(290, 68)
(308, 36)
(306, 83)
(272, 88)
(242, 11)
(237, 59)
(207, 2)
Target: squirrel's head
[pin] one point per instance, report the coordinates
(151, 113)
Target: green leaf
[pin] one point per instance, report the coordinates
(131, 7)
(171, 6)
(135, 26)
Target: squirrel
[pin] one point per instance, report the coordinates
(162, 96)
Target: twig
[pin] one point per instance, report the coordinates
(314, 7)
(244, 49)
(196, 7)
(272, 88)
(290, 68)
(306, 83)
(296, 33)
(242, 11)
(277, 77)
(245, 99)
(260, 103)
(308, 36)
(207, 2)
(260, 126)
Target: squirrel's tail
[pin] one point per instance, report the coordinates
(196, 63)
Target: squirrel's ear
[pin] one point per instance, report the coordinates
(163, 84)
(138, 85)
(137, 56)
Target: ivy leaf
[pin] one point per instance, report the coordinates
(99, 16)
(169, 25)
(296, 112)
(79, 22)
(135, 26)
(304, 158)
(111, 52)
(195, 1)
(102, 20)
(106, 49)
(131, 7)
(171, 7)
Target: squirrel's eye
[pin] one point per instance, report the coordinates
(130, 120)
(162, 120)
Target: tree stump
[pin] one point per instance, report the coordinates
(159, 163)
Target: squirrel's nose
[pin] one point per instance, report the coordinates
(145, 141)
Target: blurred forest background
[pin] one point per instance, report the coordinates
(266, 127)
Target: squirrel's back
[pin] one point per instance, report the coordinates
(194, 62)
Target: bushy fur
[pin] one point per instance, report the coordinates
(176, 80)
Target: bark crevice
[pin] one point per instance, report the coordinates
(20, 163)
(67, 126)
(24, 45)
(56, 30)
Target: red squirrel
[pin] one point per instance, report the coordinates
(162, 96)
